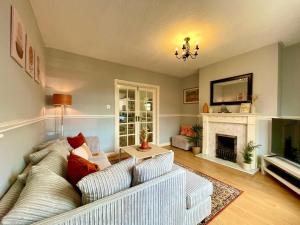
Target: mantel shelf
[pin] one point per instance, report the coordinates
(230, 114)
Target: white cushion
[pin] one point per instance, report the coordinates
(107, 182)
(45, 195)
(152, 168)
(83, 151)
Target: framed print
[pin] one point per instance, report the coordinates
(245, 108)
(37, 73)
(17, 38)
(29, 59)
(191, 95)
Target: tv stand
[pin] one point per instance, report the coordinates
(285, 172)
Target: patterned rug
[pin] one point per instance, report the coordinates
(222, 196)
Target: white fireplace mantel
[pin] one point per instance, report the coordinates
(237, 124)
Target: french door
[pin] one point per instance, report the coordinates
(136, 110)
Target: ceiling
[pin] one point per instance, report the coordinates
(145, 33)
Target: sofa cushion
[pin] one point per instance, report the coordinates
(181, 141)
(78, 168)
(93, 143)
(44, 144)
(61, 146)
(197, 189)
(55, 162)
(45, 195)
(10, 198)
(101, 160)
(23, 176)
(113, 179)
(152, 168)
(83, 151)
(76, 141)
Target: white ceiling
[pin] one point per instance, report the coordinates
(145, 33)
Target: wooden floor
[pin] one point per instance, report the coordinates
(264, 201)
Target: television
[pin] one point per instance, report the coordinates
(286, 139)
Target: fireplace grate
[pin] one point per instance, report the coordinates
(226, 147)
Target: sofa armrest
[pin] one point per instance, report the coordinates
(160, 201)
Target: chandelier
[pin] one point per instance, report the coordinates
(186, 50)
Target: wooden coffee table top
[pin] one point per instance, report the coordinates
(155, 150)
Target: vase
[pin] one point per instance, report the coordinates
(253, 109)
(144, 144)
(247, 166)
(205, 108)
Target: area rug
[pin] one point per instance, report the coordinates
(223, 194)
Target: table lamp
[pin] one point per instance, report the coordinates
(62, 100)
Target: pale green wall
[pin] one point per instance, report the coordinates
(290, 81)
(20, 97)
(91, 82)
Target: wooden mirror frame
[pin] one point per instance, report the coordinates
(249, 77)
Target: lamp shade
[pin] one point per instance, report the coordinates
(62, 99)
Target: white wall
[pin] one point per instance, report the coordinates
(264, 64)
(21, 97)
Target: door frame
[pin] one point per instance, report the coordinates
(118, 83)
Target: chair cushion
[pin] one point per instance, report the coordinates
(10, 198)
(152, 168)
(76, 141)
(113, 179)
(181, 141)
(45, 195)
(197, 189)
(78, 168)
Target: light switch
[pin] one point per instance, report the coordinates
(107, 107)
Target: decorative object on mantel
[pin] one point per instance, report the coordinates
(191, 95)
(62, 100)
(245, 108)
(211, 109)
(205, 108)
(196, 138)
(248, 154)
(17, 38)
(224, 109)
(254, 99)
(186, 50)
(144, 140)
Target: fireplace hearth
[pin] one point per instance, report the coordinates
(226, 147)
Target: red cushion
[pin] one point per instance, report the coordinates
(78, 168)
(76, 141)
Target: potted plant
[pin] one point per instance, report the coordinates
(196, 138)
(144, 139)
(248, 154)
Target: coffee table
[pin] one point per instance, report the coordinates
(140, 155)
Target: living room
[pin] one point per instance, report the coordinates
(127, 73)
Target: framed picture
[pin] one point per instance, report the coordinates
(29, 64)
(37, 73)
(245, 108)
(17, 38)
(191, 95)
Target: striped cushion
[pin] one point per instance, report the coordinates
(55, 162)
(107, 182)
(23, 176)
(45, 195)
(61, 146)
(10, 198)
(44, 144)
(152, 168)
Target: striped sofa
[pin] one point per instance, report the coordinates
(178, 197)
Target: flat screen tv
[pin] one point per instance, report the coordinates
(286, 139)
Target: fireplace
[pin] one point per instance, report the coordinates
(226, 147)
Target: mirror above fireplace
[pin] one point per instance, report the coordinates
(231, 91)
